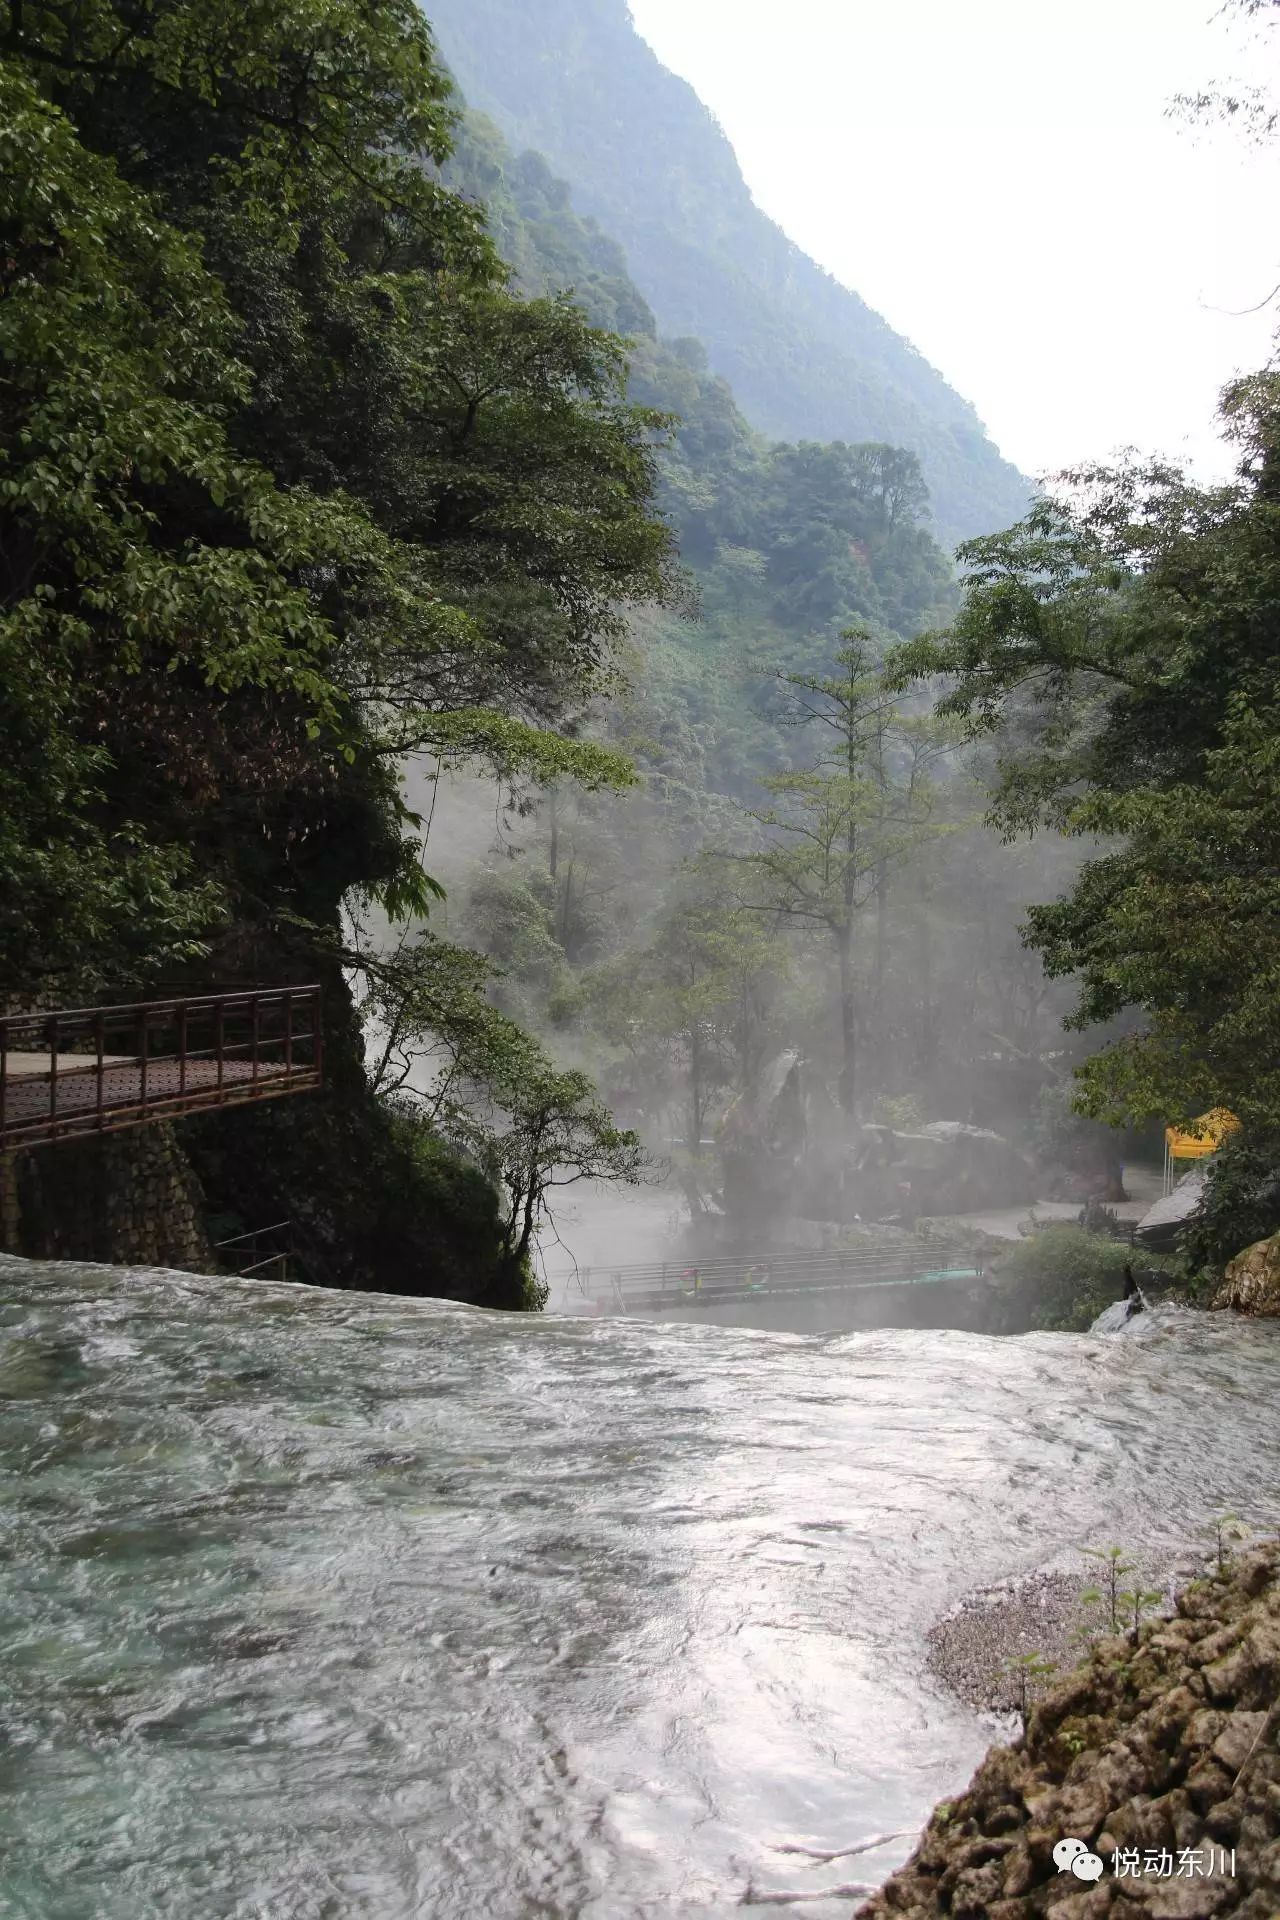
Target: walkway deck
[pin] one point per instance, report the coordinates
(186, 1056)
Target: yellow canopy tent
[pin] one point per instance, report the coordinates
(1203, 1137)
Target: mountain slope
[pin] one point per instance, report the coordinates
(788, 544)
(807, 358)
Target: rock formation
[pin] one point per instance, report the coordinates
(1251, 1283)
(1161, 1758)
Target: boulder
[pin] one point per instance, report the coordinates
(1251, 1283)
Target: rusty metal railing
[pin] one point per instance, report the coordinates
(71, 1072)
(244, 1252)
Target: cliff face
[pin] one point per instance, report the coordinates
(807, 358)
(1162, 1759)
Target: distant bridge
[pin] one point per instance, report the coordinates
(732, 1281)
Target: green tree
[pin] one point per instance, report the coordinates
(118, 378)
(444, 1055)
(692, 1009)
(836, 826)
(1127, 644)
(291, 485)
(301, 492)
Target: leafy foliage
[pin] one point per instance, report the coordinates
(291, 484)
(118, 377)
(1064, 1277)
(284, 499)
(1241, 1202)
(1128, 641)
(459, 1066)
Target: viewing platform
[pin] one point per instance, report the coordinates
(69, 1073)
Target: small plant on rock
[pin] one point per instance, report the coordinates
(1028, 1671)
(1110, 1594)
(1226, 1528)
(1136, 1602)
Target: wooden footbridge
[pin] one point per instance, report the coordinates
(731, 1281)
(94, 1070)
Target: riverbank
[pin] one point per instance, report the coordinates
(1046, 1617)
(1160, 1758)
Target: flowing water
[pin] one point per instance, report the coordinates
(321, 1605)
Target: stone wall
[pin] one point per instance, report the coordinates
(1158, 1758)
(129, 1198)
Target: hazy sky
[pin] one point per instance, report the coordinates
(1000, 179)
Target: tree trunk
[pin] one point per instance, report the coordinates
(848, 1020)
(693, 1124)
(882, 944)
(848, 1010)
(566, 912)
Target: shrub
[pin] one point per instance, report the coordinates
(1241, 1203)
(1062, 1277)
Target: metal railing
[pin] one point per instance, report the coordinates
(720, 1281)
(267, 1252)
(121, 1066)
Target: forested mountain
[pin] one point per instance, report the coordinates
(807, 359)
(673, 939)
(785, 544)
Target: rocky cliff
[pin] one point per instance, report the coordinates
(1159, 1759)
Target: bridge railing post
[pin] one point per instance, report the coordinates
(143, 1052)
(53, 1072)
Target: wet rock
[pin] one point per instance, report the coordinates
(973, 1891)
(1202, 1729)
(1236, 1741)
(1172, 1713)
(1182, 1900)
(1019, 1871)
(1214, 1646)
(1251, 1283)
(1084, 1904)
(1207, 1783)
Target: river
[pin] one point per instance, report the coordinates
(321, 1605)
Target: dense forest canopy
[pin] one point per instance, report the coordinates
(1134, 632)
(293, 485)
